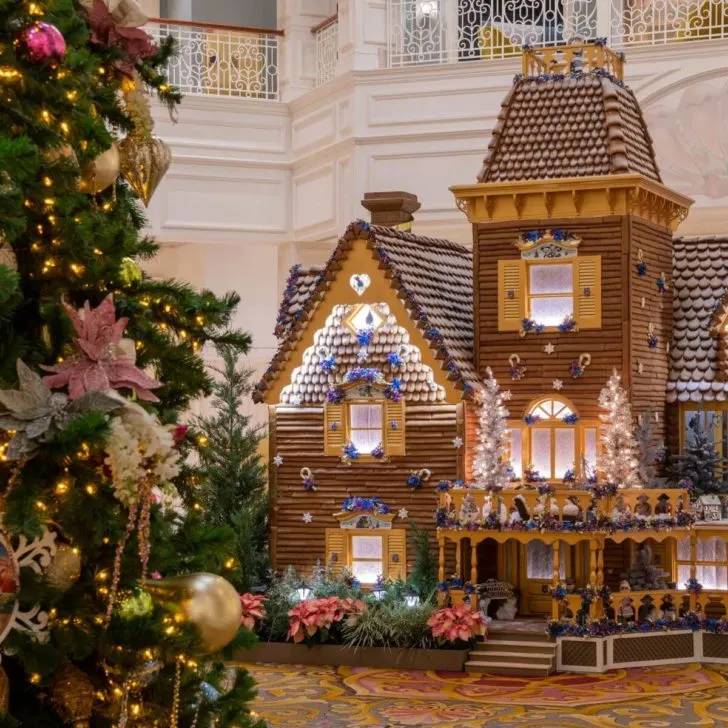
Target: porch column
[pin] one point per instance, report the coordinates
(600, 563)
(693, 567)
(459, 559)
(593, 562)
(555, 550)
(441, 570)
(473, 562)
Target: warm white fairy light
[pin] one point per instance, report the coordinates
(490, 466)
(618, 460)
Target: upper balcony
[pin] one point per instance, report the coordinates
(448, 31)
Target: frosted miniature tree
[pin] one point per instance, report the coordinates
(490, 466)
(618, 460)
(651, 452)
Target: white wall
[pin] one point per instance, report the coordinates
(256, 186)
(256, 13)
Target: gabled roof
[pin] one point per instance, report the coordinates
(578, 125)
(433, 277)
(700, 279)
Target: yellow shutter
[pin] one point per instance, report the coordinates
(333, 428)
(394, 435)
(397, 554)
(588, 292)
(337, 551)
(511, 294)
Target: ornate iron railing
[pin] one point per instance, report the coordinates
(217, 60)
(327, 49)
(446, 31)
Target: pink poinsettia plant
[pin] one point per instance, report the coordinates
(253, 609)
(312, 620)
(103, 360)
(456, 625)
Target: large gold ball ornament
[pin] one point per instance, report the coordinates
(206, 600)
(144, 162)
(72, 696)
(102, 171)
(65, 569)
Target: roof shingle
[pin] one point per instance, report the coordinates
(577, 125)
(700, 278)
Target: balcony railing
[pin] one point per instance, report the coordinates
(447, 31)
(327, 49)
(219, 60)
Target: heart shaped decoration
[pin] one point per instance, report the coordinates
(360, 282)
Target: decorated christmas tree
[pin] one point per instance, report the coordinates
(700, 466)
(490, 465)
(233, 483)
(105, 555)
(618, 457)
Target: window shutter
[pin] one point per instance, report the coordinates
(588, 293)
(511, 294)
(397, 554)
(337, 552)
(394, 435)
(333, 428)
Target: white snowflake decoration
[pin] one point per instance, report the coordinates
(558, 384)
(457, 442)
(403, 513)
(549, 348)
(278, 461)
(307, 518)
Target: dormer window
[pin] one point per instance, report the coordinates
(365, 426)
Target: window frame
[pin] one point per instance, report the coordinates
(580, 428)
(372, 402)
(720, 439)
(699, 562)
(530, 263)
(382, 534)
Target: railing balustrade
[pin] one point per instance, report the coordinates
(446, 31)
(218, 60)
(327, 49)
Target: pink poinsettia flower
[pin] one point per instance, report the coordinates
(252, 605)
(103, 360)
(456, 623)
(309, 617)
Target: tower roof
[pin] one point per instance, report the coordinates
(579, 124)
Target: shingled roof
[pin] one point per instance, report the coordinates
(700, 279)
(577, 125)
(433, 277)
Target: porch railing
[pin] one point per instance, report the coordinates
(447, 31)
(327, 49)
(219, 60)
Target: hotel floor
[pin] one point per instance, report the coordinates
(346, 697)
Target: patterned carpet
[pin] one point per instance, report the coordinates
(348, 697)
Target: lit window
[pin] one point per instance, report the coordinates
(367, 558)
(364, 318)
(365, 426)
(550, 293)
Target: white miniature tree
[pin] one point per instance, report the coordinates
(490, 466)
(618, 459)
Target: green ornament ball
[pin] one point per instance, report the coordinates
(130, 272)
(138, 605)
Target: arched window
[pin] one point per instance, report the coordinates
(552, 440)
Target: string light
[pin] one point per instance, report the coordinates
(90, 489)
(72, 95)
(65, 128)
(40, 505)
(62, 487)
(35, 9)
(35, 678)
(47, 181)
(45, 115)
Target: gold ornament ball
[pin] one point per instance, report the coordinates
(102, 172)
(206, 600)
(144, 162)
(65, 568)
(72, 696)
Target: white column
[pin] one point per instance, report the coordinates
(297, 60)
(604, 19)
(362, 34)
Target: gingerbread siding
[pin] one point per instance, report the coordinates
(297, 436)
(600, 236)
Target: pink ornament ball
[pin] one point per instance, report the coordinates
(42, 42)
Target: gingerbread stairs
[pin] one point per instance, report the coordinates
(513, 653)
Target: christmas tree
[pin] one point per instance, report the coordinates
(699, 466)
(618, 458)
(490, 465)
(102, 532)
(232, 475)
(651, 453)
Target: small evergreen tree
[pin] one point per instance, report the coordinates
(490, 466)
(699, 463)
(232, 474)
(424, 575)
(618, 460)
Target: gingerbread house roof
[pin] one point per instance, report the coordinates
(697, 355)
(433, 277)
(578, 125)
